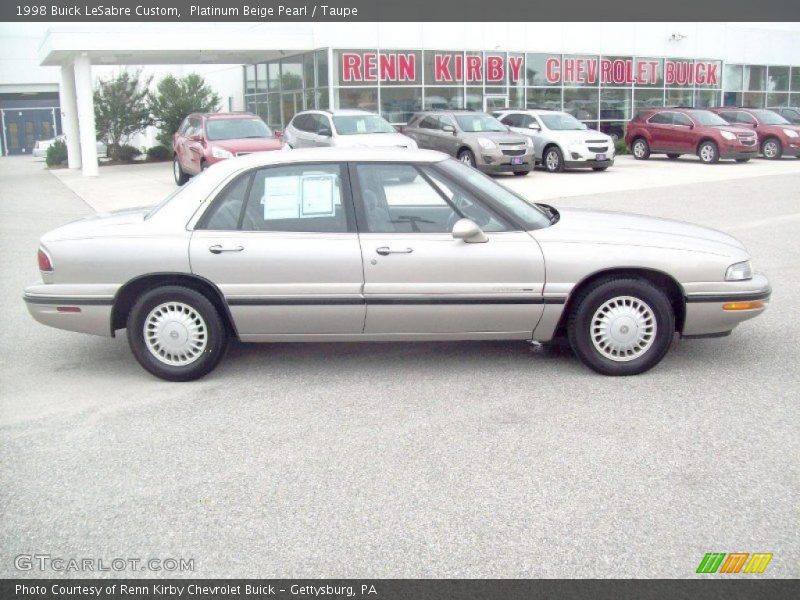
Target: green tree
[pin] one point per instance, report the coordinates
(175, 98)
(120, 109)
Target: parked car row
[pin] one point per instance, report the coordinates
(718, 133)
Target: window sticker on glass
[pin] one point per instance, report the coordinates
(280, 198)
(318, 193)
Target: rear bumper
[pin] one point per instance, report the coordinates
(706, 314)
(83, 314)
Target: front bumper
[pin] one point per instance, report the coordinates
(80, 313)
(705, 312)
(588, 164)
(738, 152)
(494, 161)
(792, 149)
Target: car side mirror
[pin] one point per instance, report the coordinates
(534, 126)
(448, 128)
(468, 230)
(325, 132)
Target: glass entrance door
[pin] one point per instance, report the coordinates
(494, 102)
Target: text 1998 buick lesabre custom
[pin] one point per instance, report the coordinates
(343, 245)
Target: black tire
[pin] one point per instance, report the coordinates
(467, 157)
(599, 168)
(591, 299)
(672, 156)
(177, 172)
(771, 148)
(708, 153)
(553, 160)
(215, 334)
(521, 173)
(203, 165)
(640, 149)
(742, 160)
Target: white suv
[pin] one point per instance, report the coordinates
(560, 141)
(343, 128)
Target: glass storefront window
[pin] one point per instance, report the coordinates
(363, 98)
(322, 68)
(443, 67)
(616, 129)
(474, 98)
(322, 98)
(310, 100)
(444, 98)
(778, 79)
(516, 97)
(616, 71)
(580, 70)
(292, 73)
(261, 77)
(649, 72)
(755, 78)
(753, 100)
(706, 98)
(495, 73)
(250, 79)
(308, 70)
(274, 111)
(795, 79)
(536, 69)
(732, 80)
(581, 103)
(615, 104)
(399, 104)
(274, 76)
(778, 100)
(644, 98)
(678, 97)
(544, 98)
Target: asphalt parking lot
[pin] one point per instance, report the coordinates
(413, 460)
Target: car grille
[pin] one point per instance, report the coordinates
(514, 152)
(747, 139)
(598, 149)
(596, 142)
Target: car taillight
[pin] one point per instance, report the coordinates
(44, 261)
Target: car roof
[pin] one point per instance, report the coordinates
(531, 111)
(227, 115)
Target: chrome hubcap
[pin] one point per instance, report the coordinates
(638, 149)
(466, 159)
(707, 153)
(770, 149)
(175, 334)
(552, 161)
(623, 328)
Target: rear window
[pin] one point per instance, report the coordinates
(236, 129)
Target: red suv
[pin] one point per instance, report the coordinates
(203, 139)
(776, 135)
(676, 131)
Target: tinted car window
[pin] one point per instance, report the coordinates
(302, 122)
(300, 198)
(512, 120)
(681, 119)
(661, 119)
(398, 199)
(223, 215)
(429, 123)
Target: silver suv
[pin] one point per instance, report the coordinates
(475, 138)
(343, 129)
(560, 141)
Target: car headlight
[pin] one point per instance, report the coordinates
(790, 133)
(728, 135)
(740, 271)
(486, 144)
(220, 153)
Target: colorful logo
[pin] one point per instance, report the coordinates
(734, 562)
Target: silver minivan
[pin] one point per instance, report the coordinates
(344, 128)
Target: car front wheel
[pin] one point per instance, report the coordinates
(176, 333)
(553, 160)
(772, 149)
(640, 149)
(467, 157)
(708, 153)
(621, 326)
(177, 172)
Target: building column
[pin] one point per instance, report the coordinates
(69, 116)
(84, 93)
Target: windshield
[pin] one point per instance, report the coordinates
(237, 129)
(528, 213)
(767, 117)
(705, 117)
(478, 123)
(356, 124)
(169, 197)
(561, 122)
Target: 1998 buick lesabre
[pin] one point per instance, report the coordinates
(343, 245)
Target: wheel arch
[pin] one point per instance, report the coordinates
(461, 149)
(665, 282)
(126, 296)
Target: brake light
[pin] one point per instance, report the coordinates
(44, 261)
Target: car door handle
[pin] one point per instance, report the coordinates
(219, 249)
(384, 250)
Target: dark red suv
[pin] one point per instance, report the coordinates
(206, 138)
(676, 131)
(776, 135)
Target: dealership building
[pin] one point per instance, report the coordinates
(599, 72)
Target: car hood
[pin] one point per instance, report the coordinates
(606, 227)
(249, 145)
(100, 224)
(375, 140)
(504, 137)
(579, 136)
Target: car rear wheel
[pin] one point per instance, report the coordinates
(621, 326)
(467, 157)
(708, 153)
(673, 156)
(553, 160)
(176, 334)
(177, 171)
(640, 149)
(772, 148)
